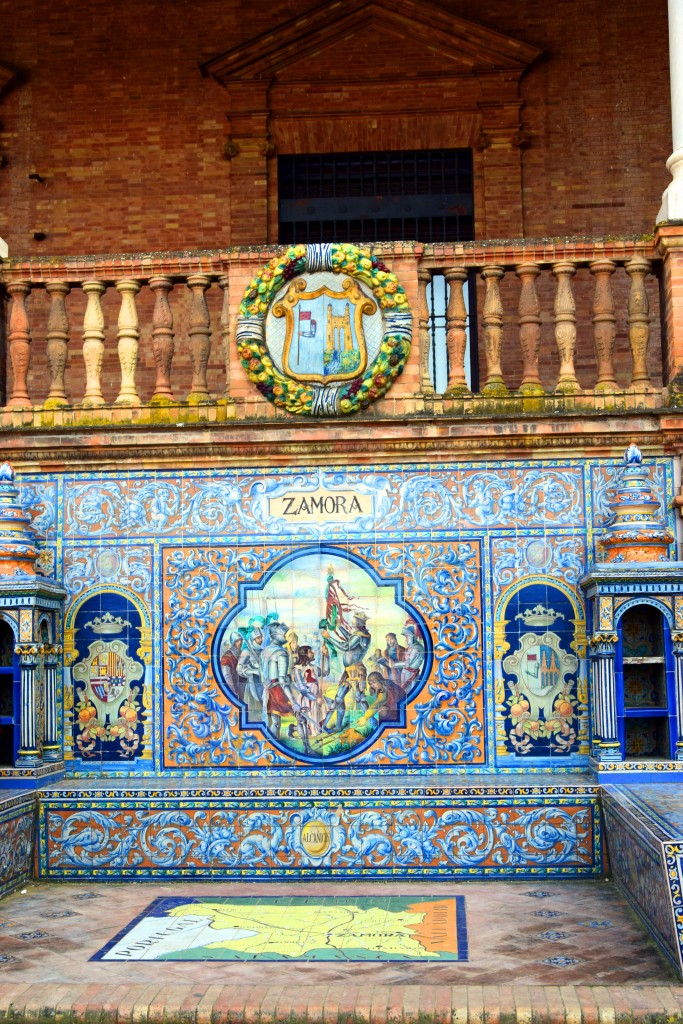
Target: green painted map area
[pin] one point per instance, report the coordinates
(386, 928)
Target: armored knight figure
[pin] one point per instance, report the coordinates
(354, 643)
(278, 696)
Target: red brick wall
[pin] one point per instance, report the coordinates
(114, 114)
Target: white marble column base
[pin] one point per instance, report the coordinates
(672, 199)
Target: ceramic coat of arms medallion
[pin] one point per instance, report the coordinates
(324, 329)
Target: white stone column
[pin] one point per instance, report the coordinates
(672, 200)
(4, 251)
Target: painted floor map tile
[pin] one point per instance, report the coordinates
(384, 928)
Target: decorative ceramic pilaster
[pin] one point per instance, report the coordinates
(565, 328)
(162, 339)
(52, 750)
(19, 345)
(57, 343)
(20, 585)
(200, 338)
(529, 328)
(493, 333)
(602, 653)
(639, 318)
(456, 333)
(224, 283)
(129, 338)
(93, 344)
(672, 200)
(29, 754)
(604, 322)
(424, 278)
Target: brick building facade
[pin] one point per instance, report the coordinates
(459, 508)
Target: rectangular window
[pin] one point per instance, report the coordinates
(409, 195)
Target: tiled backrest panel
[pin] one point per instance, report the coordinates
(410, 617)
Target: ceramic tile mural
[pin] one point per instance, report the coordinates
(542, 690)
(645, 864)
(17, 833)
(293, 685)
(307, 618)
(345, 835)
(329, 620)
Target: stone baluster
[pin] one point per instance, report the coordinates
(492, 318)
(424, 278)
(52, 750)
(200, 338)
(606, 746)
(604, 322)
(57, 343)
(565, 328)
(28, 754)
(19, 345)
(162, 339)
(639, 318)
(129, 340)
(529, 328)
(456, 332)
(93, 344)
(224, 282)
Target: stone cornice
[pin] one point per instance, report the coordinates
(289, 442)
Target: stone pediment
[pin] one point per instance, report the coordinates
(459, 47)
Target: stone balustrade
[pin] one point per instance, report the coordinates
(550, 303)
(566, 325)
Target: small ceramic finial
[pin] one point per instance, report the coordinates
(6, 471)
(635, 530)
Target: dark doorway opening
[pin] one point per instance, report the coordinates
(416, 195)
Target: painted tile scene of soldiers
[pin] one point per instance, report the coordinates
(322, 657)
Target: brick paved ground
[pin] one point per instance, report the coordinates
(554, 951)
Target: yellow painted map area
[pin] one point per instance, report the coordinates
(294, 931)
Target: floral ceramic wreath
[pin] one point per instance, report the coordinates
(307, 397)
